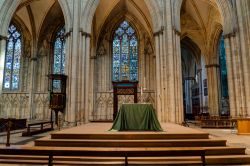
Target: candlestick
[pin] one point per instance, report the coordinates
(141, 91)
(144, 82)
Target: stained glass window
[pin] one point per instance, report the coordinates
(125, 53)
(59, 56)
(59, 52)
(12, 59)
(223, 67)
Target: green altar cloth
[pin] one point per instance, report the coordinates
(136, 117)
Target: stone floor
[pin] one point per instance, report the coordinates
(228, 134)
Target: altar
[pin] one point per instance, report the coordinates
(137, 116)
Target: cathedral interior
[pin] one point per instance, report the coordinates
(189, 59)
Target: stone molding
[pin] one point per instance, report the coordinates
(159, 32)
(3, 37)
(84, 33)
(212, 65)
(229, 35)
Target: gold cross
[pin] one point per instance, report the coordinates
(125, 68)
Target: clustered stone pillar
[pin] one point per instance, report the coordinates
(168, 71)
(79, 86)
(213, 88)
(235, 79)
(178, 77)
(242, 57)
(158, 76)
(3, 40)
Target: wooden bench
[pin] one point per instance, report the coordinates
(16, 124)
(40, 127)
(104, 152)
(218, 123)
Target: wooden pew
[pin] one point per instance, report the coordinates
(16, 124)
(218, 123)
(104, 152)
(40, 127)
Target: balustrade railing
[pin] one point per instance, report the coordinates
(103, 104)
(17, 105)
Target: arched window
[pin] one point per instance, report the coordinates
(223, 68)
(58, 56)
(12, 59)
(125, 53)
(59, 52)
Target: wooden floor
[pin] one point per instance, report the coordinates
(92, 128)
(97, 135)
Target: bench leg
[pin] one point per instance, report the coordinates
(50, 160)
(126, 160)
(203, 160)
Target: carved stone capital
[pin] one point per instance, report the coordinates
(67, 34)
(3, 37)
(229, 35)
(177, 32)
(86, 34)
(159, 32)
(212, 65)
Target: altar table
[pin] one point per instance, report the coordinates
(136, 117)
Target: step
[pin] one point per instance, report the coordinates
(228, 159)
(209, 151)
(104, 161)
(226, 150)
(215, 160)
(129, 136)
(130, 143)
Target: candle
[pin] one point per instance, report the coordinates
(144, 82)
(141, 91)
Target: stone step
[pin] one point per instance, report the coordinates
(210, 160)
(130, 143)
(228, 160)
(226, 150)
(130, 136)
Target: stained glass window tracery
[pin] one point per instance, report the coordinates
(12, 59)
(59, 57)
(59, 52)
(125, 53)
(223, 67)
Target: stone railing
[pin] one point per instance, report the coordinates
(17, 105)
(103, 105)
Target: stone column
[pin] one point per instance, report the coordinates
(178, 98)
(88, 100)
(33, 72)
(168, 70)
(213, 88)
(158, 77)
(231, 84)
(73, 64)
(85, 79)
(242, 10)
(171, 67)
(3, 40)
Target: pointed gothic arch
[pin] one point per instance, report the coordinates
(125, 53)
(226, 11)
(91, 6)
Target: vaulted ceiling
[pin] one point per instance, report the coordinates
(33, 12)
(200, 21)
(112, 8)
